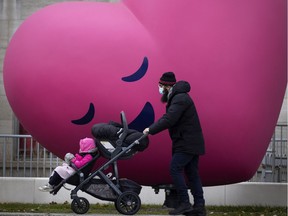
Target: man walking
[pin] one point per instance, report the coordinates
(182, 121)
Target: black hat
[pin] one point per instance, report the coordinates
(168, 78)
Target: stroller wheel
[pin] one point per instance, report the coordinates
(128, 203)
(80, 207)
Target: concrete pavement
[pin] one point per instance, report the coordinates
(58, 214)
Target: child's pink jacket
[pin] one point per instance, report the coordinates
(80, 161)
(87, 146)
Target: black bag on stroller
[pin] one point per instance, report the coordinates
(109, 134)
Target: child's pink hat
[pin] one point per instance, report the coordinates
(87, 145)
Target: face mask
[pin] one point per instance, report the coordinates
(161, 90)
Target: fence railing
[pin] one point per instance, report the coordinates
(23, 156)
(274, 164)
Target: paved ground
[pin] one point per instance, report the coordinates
(54, 214)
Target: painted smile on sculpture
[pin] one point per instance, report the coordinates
(146, 116)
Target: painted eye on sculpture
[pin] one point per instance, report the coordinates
(146, 116)
(139, 73)
(87, 117)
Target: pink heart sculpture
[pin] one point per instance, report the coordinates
(74, 64)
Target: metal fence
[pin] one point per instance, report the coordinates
(274, 164)
(23, 156)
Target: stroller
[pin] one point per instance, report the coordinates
(123, 192)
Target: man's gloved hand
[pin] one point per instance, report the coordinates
(146, 131)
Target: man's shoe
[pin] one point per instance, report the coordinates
(181, 209)
(198, 210)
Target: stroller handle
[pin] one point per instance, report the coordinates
(142, 137)
(123, 120)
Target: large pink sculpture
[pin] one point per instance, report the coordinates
(71, 65)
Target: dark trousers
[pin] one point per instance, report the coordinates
(55, 179)
(186, 163)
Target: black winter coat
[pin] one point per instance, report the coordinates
(182, 120)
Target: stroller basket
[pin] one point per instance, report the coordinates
(100, 189)
(129, 185)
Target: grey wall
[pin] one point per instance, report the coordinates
(242, 194)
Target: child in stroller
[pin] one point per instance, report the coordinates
(86, 151)
(114, 142)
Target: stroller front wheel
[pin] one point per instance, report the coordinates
(128, 203)
(80, 206)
